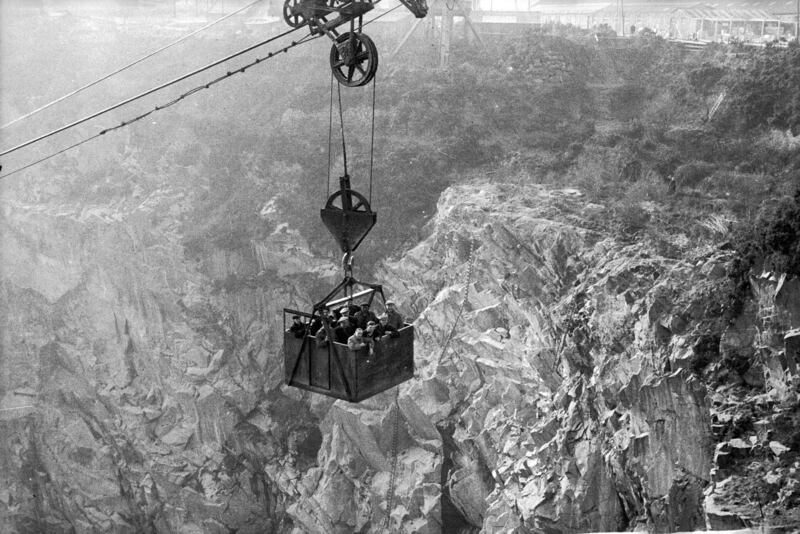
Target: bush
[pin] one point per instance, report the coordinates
(773, 242)
(766, 94)
(627, 101)
(691, 174)
(629, 217)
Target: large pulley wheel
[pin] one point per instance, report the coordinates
(292, 15)
(354, 59)
(337, 202)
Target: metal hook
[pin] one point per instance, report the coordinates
(347, 263)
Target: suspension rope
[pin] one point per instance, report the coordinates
(129, 65)
(341, 122)
(168, 104)
(125, 123)
(330, 136)
(153, 90)
(372, 138)
(393, 476)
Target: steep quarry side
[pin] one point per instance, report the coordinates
(565, 381)
(590, 384)
(138, 388)
(141, 385)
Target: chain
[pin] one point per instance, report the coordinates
(470, 269)
(393, 477)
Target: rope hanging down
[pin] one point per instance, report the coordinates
(164, 106)
(372, 138)
(330, 135)
(341, 123)
(344, 144)
(129, 65)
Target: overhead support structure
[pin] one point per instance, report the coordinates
(442, 24)
(354, 57)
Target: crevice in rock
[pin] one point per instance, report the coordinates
(453, 522)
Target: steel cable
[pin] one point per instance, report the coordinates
(372, 138)
(150, 91)
(163, 106)
(142, 95)
(129, 65)
(330, 136)
(341, 122)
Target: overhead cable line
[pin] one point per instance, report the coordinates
(164, 106)
(158, 108)
(129, 65)
(148, 92)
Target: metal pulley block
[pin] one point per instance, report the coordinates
(354, 59)
(348, 216)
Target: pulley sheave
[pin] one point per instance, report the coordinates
(347, 216)
(354, 59)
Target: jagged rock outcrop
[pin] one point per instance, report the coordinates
(565, 381)
(136, 386)
(581, 374)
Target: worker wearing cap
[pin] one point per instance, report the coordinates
(347, 311)
(357, 341)
(385, 328)
(394, 319)
(364, 316)
(373, 330)
(342, 331)
(297, 328)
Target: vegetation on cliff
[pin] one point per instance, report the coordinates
(655, 164)
(631, 125)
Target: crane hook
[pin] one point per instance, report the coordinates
(347, 264)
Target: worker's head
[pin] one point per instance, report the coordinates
(359, 332)
(371, 326)
(390, 305)
(383, 318)
(365, 306)
(343, 320)
(296, 318)
(344, 310)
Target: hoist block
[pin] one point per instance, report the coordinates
(347, 216)
(348, 227)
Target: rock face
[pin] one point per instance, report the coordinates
(587, 380)
(565, 381)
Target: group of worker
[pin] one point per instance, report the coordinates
(355, 326)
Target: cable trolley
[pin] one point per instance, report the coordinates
(354, 57)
